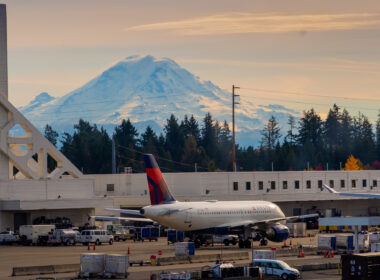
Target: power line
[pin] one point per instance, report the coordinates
(311, 94)
(161, 158)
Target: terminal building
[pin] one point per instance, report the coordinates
(29, 190)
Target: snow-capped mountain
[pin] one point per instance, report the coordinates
(148, 90)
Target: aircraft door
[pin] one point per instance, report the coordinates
(188, 218)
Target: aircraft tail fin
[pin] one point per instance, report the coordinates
(158, 190)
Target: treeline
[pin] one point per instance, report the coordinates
(187, 145)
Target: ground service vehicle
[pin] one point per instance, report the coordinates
(225, 239)
(97, 236)
(63, 237)
(277, 268)
(8, 237)
(35, 234)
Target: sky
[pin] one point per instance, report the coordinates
(300, 54)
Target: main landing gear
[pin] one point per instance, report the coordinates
(245, 243)
(263, 242)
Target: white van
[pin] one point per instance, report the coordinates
(277, 268)
(96, 236)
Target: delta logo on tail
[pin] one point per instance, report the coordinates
(158, 190)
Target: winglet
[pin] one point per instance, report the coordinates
(330, 190)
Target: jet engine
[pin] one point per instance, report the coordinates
(278, 233)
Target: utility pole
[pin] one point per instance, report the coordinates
(233, 127)
(113, 156)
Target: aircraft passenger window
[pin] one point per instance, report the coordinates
(248, 186)
(364, 183)
(308, 184)
(285, 185)
(374, 183)
(297, 184)
(342, 183)
(236, 186)
(261, 185)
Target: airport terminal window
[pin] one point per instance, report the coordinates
(273, 185)
(248, 186)
(297, 184)
(308, 184)
(110, 187)
(331, 183)
(374, 183)
(320, 184)
(236, 186)
(285, 185)
(261, 185)
(342, 183)
(353, 183)
(364, 183)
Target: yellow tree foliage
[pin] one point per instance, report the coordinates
(353, 163)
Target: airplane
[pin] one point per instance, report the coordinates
(367, 195)
(257, 220)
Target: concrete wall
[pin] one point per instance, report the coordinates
(46, 189)
(219, 185)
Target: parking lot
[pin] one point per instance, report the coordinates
(15, 255)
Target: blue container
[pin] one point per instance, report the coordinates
(333, 243)
(175, 236)
(154, 233)
(145, 233)
(172, 235)
(350, 242)
(180, 236)
(191, 247)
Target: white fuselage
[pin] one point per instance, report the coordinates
(190, 216)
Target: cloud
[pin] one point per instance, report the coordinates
(243, 23)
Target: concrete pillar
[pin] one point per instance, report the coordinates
(3, 52)
(4, 163)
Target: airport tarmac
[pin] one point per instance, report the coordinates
(12, 256)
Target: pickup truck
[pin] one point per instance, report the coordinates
(8, 237)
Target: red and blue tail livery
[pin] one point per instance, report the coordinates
(158, 190)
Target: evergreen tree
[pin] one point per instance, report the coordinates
(125, 136)
(174, 138)
(149, 141)
(209, 139)
(378, 137)
(290, 137)
(191, 127)
(270, 134)
(310, 129)
(51, 134)
(192, 154)
(332, 127)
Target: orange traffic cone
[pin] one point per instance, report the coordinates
(88, 246)
(129, 251)
(284, 244)
(302, 255)
(325, 254)
(332, 253)
(94, 247)
(290, 242)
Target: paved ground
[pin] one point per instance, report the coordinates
(12, 256)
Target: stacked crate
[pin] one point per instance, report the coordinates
(361, 266)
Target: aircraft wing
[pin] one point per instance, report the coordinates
(367, 195)
(124, 211)
(108, 218)
(264, 223)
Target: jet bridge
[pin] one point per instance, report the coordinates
(354, 222)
